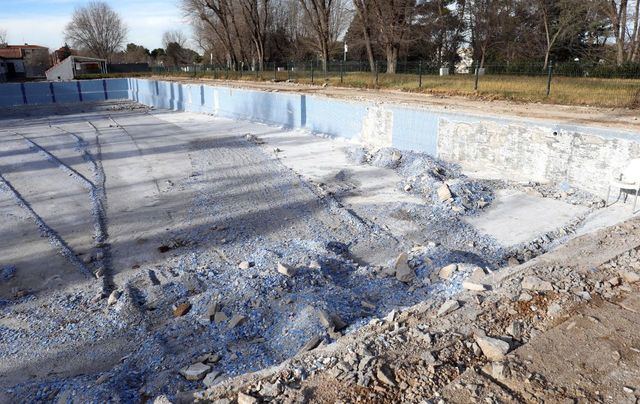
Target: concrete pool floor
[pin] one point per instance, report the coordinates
(185, 198)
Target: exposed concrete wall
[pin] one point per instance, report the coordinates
(585, 157)
(533, 150)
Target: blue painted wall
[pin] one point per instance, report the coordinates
(412, 129)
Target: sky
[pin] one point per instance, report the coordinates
(41, 22)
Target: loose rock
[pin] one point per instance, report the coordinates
(286, 270)
(444, 193)
(535, 283)
(448, 307)
(246, 399)
(195, 372)
(113, 297)
(181, 309)
(447, 271)
(476, 287)
(494, 349)
(403, 272)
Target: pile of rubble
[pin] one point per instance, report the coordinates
(435, 349)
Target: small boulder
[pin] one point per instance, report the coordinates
(444, 193)
(181, 309)
(311, 344)
(447, 271)
(403, 272)
(246, 399)
(113, 297)
(494, 349)
(286, 270)
(385, 375)
(448, 307)
(209, 379)
(473, 286)
(535, 283)
(244, 265)
(630, 277)
(195, 372)
(220, 317)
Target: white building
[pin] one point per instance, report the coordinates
(75, 66)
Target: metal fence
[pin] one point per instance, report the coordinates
(407, 74)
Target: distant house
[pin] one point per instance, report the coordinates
(25, 62)
(75, 66)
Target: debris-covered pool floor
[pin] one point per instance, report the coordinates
(145, 253)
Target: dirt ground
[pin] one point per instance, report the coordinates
(623, 118)
(157, 256)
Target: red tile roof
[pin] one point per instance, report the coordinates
(15, 51)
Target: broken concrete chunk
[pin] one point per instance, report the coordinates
(403, 272)
(213, 308)
(195, 372)
(386, 376)
(209, 358)
(220, 317)
(448, 307)
(315, 265)
(286, 270)
(494, 349)
(630, 277)
(245, 265)
(209, 379)
(447, 272)
(476, 287)
(535, 283)
(181, 309)
(444, 193)
(236, 320)
(331, 321)
(311, 344)
(113, 297)
(246, 399)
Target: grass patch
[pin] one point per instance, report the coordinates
(599, 92)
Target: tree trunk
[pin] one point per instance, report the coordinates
(367, 44)
(547, 55)
(392, 58)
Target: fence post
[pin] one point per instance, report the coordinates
(549, 77)
(311, 72)
(377, 74)
(475, 86)
(275, 71)
(341, 72)
(420, 74)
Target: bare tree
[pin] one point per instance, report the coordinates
(393, 21)
(3, 36)
(327, 21)
(257, 14)
(97, 28)
(624, 32)
(560, 19)
(363, 13)
(216, 17)
(484, 21)
(174, 36)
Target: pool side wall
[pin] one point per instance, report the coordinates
(525, 150)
